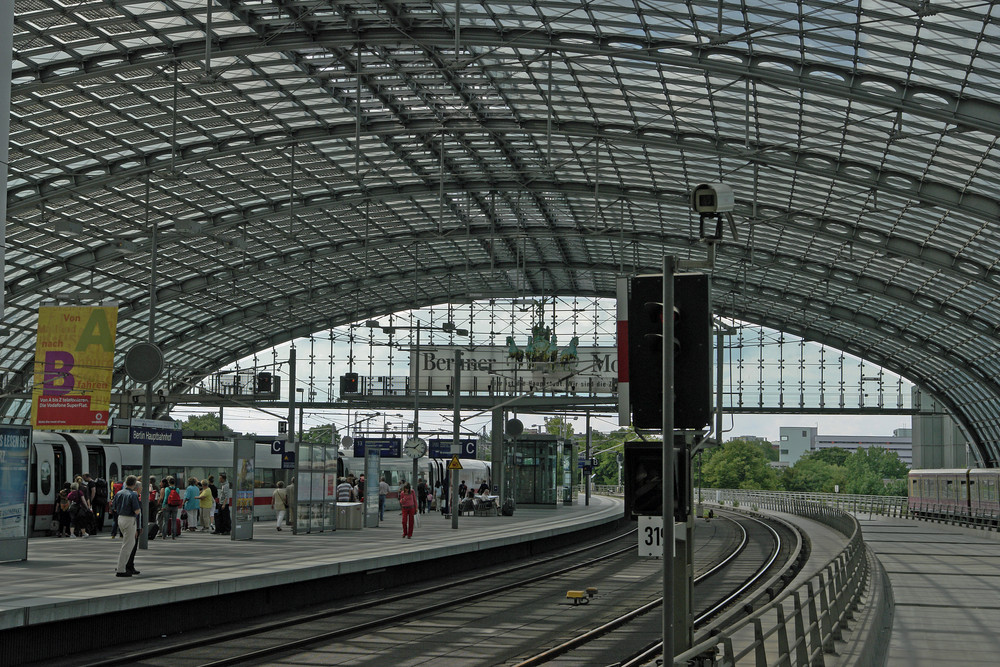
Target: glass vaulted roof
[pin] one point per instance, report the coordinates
(307, 163)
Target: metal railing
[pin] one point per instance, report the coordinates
(855, 504)
(959, 515)
(800, 626)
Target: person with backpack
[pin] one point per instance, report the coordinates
(78, 510)
(171, 507)
(62, 511)
(99, 503)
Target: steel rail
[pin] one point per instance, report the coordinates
(145, 654)
(624, 619)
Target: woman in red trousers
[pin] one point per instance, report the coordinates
(408, 502)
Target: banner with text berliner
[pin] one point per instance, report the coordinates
(74, 362)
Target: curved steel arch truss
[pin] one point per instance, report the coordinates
(309, 163)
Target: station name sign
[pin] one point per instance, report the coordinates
(595, 368)
(146, 432)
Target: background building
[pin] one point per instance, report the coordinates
(798, 440)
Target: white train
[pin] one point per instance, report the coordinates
(58, 457)
(393, 471)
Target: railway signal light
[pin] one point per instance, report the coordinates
(348, 383)
(692, 345)
(644, 480)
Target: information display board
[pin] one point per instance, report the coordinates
(388, 448)
(243, 464)
(440, 448)
(15, 446)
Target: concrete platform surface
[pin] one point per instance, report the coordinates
(70, 577)
(946, 584)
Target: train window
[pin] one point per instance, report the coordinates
(113, 471)
(264, 478)
(45, 476)
(59, 461)
(95, 462)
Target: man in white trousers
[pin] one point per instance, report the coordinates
(129, 510)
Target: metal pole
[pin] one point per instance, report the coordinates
(668, 460)
(586, 485)
(718, 386)
(289, 443)
(455, 448)
(7, 46)
(416, 402)
(146, 448)
(496, 455)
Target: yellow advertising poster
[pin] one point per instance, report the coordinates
(74, 362)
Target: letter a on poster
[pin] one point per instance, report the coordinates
(74, 361)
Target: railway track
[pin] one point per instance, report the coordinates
(514, 607)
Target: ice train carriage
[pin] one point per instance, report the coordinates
(964, 491)
(58, 457)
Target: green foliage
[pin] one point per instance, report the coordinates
(606, 447)
(558, 426)
(321, 435)
(835, 456)
(867, 470)
(739, 464)
(206, 422)
(810, 474)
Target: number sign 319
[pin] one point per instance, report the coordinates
(651, 537)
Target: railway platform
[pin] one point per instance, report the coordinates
(946, 583)
(72, 578)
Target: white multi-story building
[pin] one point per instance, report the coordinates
(797, 440)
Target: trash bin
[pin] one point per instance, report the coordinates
(350, 516)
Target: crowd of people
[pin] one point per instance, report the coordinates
(83, 505)
(200, 506)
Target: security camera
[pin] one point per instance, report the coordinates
(712, 198)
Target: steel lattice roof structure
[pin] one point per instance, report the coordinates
(307, 163)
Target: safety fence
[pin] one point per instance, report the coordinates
(855, 504)
(800, 625)
(959, 515)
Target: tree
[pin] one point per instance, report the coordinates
(811, 474)
(558, 426)
(206, 422)
(321, 435)
(835, 456)
(869, 468)
(739, 464)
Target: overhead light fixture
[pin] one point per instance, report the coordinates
(69, 226)
(127, 247)
(188, 227)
